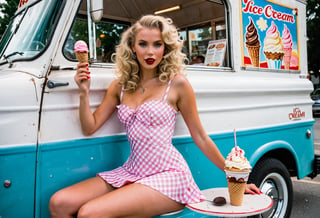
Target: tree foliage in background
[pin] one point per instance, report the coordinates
(107, 34)
(313, 33)
(7, 9)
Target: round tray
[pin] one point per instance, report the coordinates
(252, 204)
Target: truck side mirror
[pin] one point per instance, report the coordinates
(96, 10)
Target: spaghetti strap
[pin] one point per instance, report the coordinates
(167, 90)
(121, 94)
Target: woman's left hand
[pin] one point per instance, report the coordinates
(252, 189)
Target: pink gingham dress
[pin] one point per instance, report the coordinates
(153, 160)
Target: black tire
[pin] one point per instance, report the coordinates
(273, 178)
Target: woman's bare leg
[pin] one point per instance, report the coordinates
(133, 200)
(67, 201)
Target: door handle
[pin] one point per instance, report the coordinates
(52, 84)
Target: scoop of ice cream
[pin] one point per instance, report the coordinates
(272, 41)
(286, 37)
(80, 46)
(252, 37)
(237, 160)
(294, 62)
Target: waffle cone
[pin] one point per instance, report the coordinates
(236, 192)
(82, 57)
(287, 58)
(254, 53)
(274, 55)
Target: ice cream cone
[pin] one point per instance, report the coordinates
(236, 192)
(82, 57)
(237, 169)
(254, 53)
(287, 58)
(237, 180)
(287, 46)
(81, 51)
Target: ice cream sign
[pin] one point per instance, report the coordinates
(270, 37)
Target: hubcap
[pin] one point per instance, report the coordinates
(275, 186)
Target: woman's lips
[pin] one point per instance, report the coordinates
(149, 61)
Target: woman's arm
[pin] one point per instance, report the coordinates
(187, 105)
(91, 122)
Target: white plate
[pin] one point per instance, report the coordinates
(252, 204)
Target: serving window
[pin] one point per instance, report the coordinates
(202, 25)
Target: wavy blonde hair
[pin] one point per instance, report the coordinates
(127, 67)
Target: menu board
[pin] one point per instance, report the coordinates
(269, 35)
(216, 53)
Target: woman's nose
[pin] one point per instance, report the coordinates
(150, 50)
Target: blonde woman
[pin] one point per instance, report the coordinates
(148, 93)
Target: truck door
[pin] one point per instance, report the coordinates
(19, 113)
(65, 155)
(25, 56)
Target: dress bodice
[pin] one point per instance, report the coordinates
(152, 119)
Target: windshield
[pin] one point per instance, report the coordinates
(29, 32)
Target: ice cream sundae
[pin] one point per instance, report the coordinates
(237, 169)
(273, 47)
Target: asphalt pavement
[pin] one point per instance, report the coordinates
(306, 192)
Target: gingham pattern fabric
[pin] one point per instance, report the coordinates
(153, 160)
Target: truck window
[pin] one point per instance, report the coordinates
(30, 30)
(107, 37)
(202, 25)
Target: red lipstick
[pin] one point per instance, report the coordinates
(150, 61)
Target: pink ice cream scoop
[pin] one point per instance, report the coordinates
(81, 51)
(286, 38)
(80, 46)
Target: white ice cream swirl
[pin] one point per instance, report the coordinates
(236, 159)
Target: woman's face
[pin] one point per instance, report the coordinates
(149, 48)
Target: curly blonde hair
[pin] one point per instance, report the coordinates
(127, 66)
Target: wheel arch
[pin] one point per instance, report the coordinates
(279, 150)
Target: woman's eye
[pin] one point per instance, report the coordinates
(142, 44)
(158, 44)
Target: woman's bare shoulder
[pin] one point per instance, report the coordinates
(180, 79)
(181, 82)
(115, 87)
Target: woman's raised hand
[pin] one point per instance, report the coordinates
(82, 77)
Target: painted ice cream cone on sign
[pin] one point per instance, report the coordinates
(253, 43)
(273, 47)
(237, 169)
(81, 51)
(287, 46)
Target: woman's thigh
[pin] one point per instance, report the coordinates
(133, 200)
(73, 197)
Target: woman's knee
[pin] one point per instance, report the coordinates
(60, 203)
(84, 212)
(89, 210)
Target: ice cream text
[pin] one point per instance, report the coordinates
(268, 11)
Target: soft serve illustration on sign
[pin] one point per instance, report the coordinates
(269, 35)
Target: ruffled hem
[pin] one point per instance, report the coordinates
(179, 186)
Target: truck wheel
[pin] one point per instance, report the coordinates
(273, 179)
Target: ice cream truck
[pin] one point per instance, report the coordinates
(252, 78)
